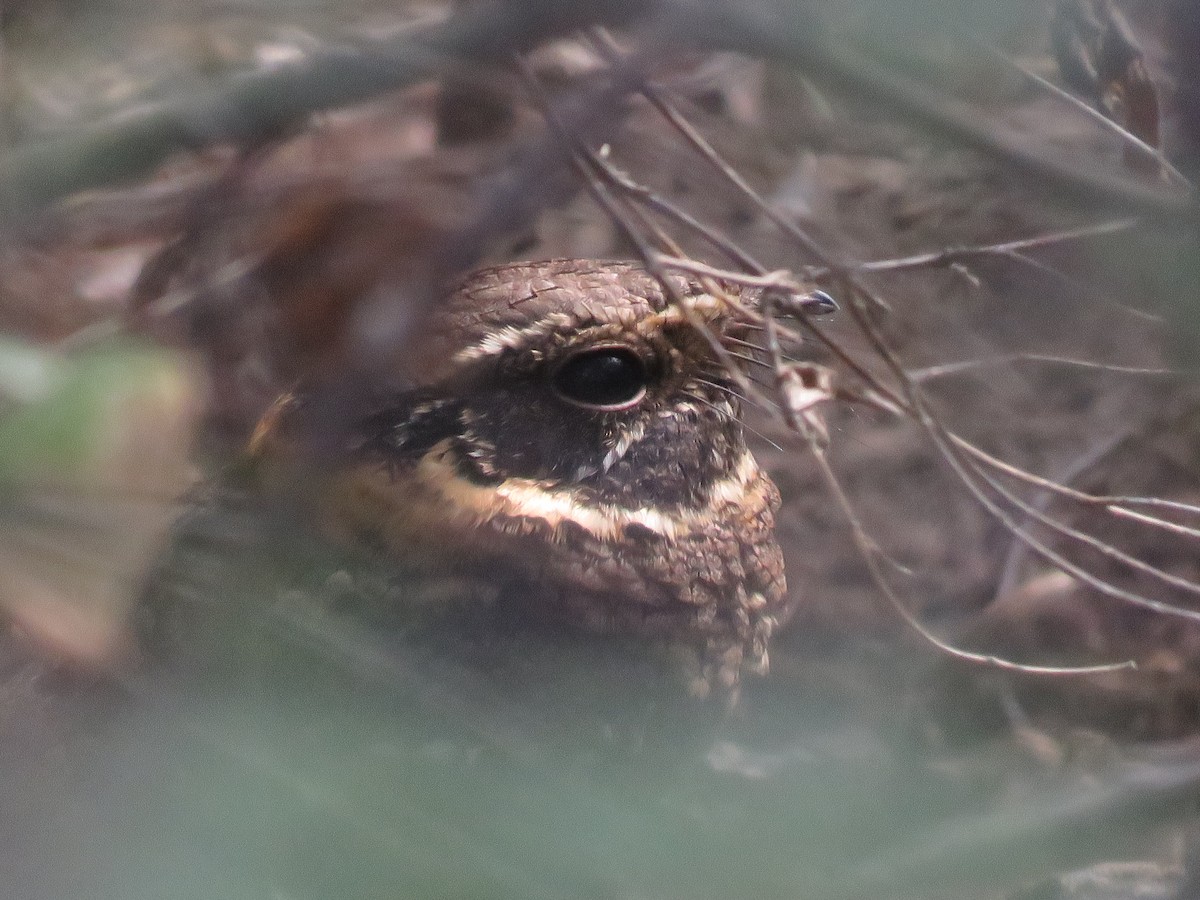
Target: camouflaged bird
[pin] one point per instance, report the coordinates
(566, 432)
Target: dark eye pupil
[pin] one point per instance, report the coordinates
(605, 377)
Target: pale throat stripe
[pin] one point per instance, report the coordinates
(525, 498)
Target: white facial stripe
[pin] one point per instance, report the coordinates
(517, 498)
(512, 337)
(705, 306)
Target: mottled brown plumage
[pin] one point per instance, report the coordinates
(564, 430)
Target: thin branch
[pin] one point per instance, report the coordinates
(801, 41)
(1017, 550)
(1155, 522)
(952, 255)
(1041, 549)
(680, 216)
(1153, 502)
(1128, 137)
(942, 440)
(868, 553)
(954, 368)
(1034, 514)
(1064, 489)
(701, 145)
(778, 280)
(1060, 486)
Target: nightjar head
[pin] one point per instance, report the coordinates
(566, 428)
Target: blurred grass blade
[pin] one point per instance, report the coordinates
(93, 451)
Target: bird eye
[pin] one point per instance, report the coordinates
(607, 378)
